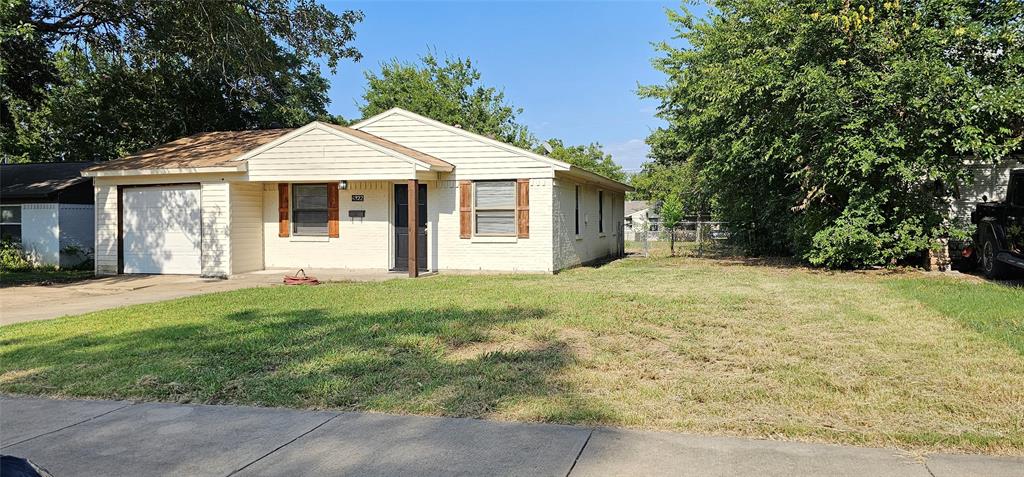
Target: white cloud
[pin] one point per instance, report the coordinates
(630, 154)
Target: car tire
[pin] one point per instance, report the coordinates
(992, 268)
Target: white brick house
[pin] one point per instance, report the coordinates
(326, 196)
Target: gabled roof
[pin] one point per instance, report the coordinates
(560, 167)
(203, 150)
(222, 150)
(462, 132)
(39, 180)
(634, 206)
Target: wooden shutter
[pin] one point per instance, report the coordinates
(523, 208)
(282, 210)
(332, 209)
(465, 209)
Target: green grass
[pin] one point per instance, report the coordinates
(700, 345)
(42, 276)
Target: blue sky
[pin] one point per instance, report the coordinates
(572, 66)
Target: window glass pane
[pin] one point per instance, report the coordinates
(496, 195)
(310, 196)
(498, 222)
(10, 233)
(10, 214)
(309, 222)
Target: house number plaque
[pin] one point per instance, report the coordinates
(357, 197)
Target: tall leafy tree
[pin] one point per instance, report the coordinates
(96, 79)
(835, 129)
(447, 90)
(590, 157)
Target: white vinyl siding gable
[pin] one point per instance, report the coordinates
(318, 154)
(473, 159)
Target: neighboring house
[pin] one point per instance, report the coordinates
(327, 196)
(640, 216)
(989, 181)
(48, 208)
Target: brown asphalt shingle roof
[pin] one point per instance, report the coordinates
(220, 148)
(208, 149)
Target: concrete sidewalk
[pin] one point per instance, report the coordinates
(122, 438)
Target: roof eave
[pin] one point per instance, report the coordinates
(597, 179)
(239, 167)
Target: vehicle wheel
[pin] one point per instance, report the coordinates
(993, 268)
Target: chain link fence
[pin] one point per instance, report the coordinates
(690, 237)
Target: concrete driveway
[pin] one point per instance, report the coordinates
(98, 438)
(30, 303)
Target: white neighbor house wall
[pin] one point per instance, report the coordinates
(40, 235)
(76, 222)
(989, 180)
(48, 229)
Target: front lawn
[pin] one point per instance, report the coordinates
(699, 345)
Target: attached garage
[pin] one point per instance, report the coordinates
(162, 229)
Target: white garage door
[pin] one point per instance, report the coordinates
(162, 230)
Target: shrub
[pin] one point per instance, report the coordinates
(12, 257)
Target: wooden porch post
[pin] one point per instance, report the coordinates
(414, 207)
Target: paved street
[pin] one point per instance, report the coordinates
(99, 438)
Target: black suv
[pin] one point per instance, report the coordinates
(999, 238)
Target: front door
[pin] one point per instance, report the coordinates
(402, 227)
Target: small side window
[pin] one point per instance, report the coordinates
(10, 223)
(577, 210)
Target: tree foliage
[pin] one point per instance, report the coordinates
(93, 80)
(590, 157)
(447, 90)
(836, 129)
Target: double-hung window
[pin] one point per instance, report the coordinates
(494, 206)
(10, 223)
(600, 211)
(309, 209)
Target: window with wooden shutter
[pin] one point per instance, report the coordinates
(465, 209)
(332, 209)
(310, 209)
(282, 210)
(523, 208)
(494, 208)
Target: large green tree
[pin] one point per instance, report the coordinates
(835, 129)
(590, 157)
(447, 90)
(96, 79)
